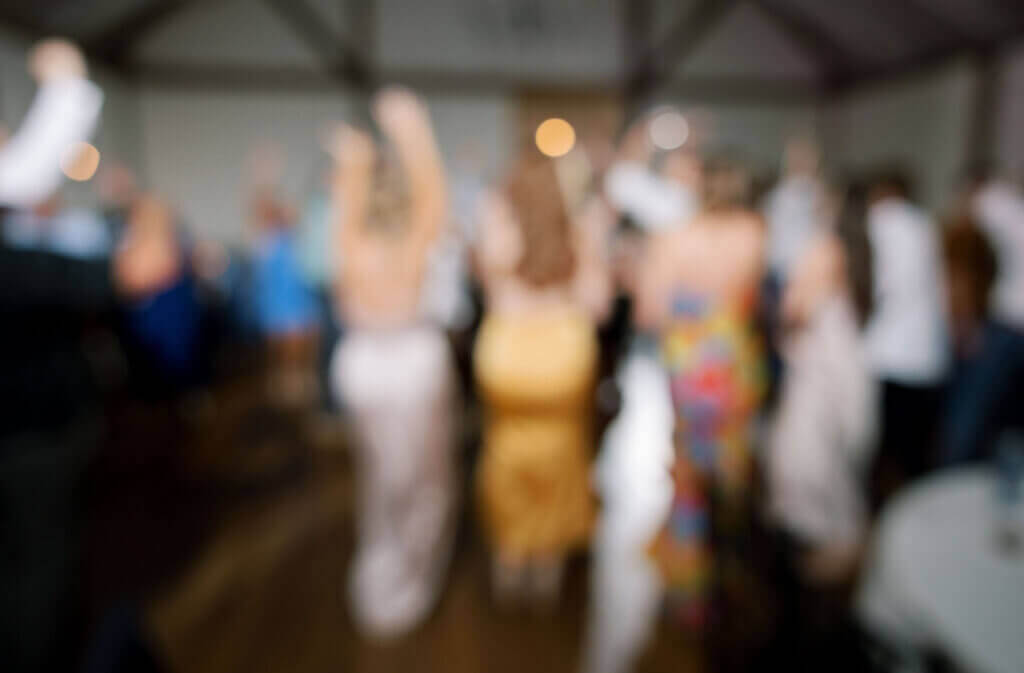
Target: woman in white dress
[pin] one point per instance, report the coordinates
(822, 438)
(393, 370)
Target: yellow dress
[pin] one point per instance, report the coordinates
(536, 376)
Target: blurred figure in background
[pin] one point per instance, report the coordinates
(446, 293)
(821, 442)
(631, 472)
(165, 330)
(48, 430)
(986, 393)
(392, 371)
(286, 310)
(541, 254)
(698, 289)
(653, 200)
(50, 225)
(795, 208)
(49, 425)
(906, 334)
(317, 260)
(795, 212)
(64, 111)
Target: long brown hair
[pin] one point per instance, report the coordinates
(726, 184)
(533, 193)
(852, 231)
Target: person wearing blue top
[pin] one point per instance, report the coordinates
(286, 311)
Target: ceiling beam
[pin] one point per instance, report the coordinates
(928, 59)
(361, 15)
(637, 20)
(939, 23)
(809, 36)
(341, 61)
(23, 26)
(114, 45)
(243, 79)
(915, 28)
(683, 37)
(1010, 9)
(234, 79)
(981, 137)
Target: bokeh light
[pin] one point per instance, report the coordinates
(80, 161)
(669, 130)
(555, 137)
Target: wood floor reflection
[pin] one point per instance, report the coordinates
(238, 544)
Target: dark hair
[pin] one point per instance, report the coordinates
(967, 251)
(727, 183)
(978, 173)
(852, 232)
(533, 192)
(892, 180)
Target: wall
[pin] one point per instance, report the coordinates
(574, 40)
(921, 123)
(1009, 133)
(197, 144)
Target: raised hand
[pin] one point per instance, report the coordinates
(398, 110)
(348, 145)
(148, 260)
(54, 59)
(636, 144)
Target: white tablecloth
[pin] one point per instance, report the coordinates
(935, 577)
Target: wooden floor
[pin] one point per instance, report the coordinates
(232, 532)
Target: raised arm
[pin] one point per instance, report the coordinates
(65, 110)
(498, 246)
(353, 154)
(653, 280)
(592, 285)
(405, 121)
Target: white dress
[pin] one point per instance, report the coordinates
(822, 437)
(399, 388)
(632, 476)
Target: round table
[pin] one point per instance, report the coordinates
(936, 579)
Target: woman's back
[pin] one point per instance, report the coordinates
(539, 255)
(717, 257)
(381, 280)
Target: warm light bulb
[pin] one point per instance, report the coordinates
(555, 137)
(80, 161)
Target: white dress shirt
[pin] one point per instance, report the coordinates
(63, 112)
(999, 209)
(654, 202)
(907, 335)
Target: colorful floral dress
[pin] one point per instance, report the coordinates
(715, 369)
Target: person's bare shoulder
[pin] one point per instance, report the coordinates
(750, 230)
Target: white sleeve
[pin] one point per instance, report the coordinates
(649, 199)
(62, 113)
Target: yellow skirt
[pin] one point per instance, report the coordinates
(536, 377)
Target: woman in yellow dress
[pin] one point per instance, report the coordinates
(544, 270)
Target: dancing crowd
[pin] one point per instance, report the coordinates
(787, 360)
